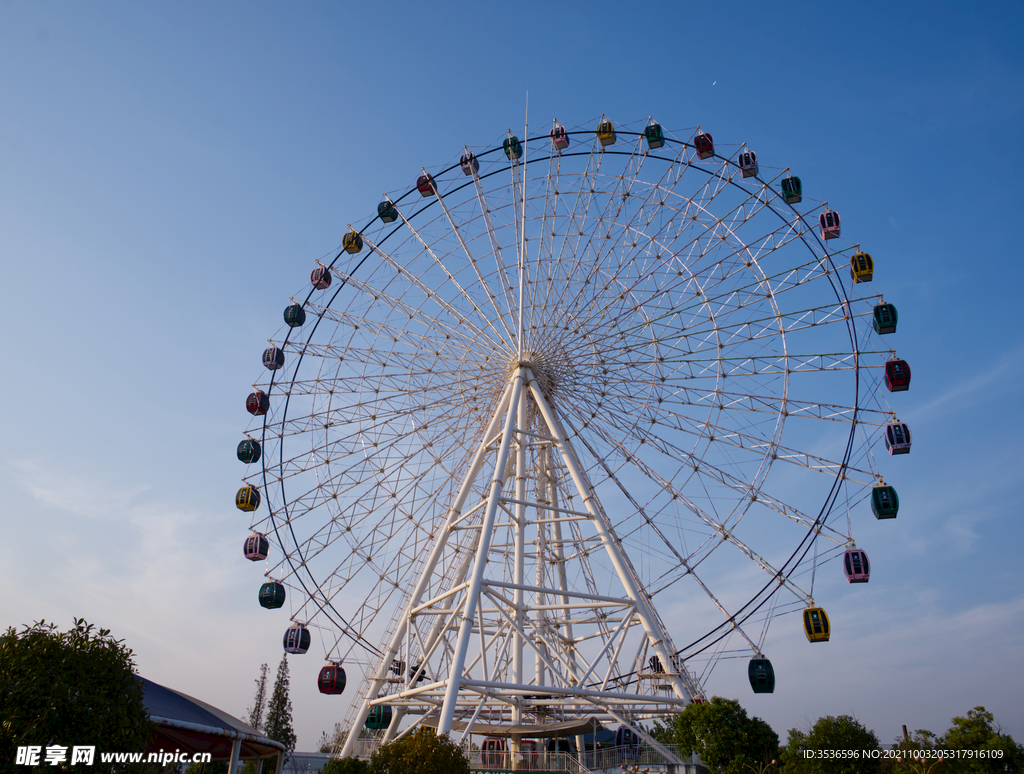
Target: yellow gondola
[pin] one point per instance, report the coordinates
(861, 267)
(816, 625)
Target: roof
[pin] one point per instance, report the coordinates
(187, 724)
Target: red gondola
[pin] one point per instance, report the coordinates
(897, 375)
(331, 679)
(856, 566)
(704, 145)
(425, 185)
(258, 403)
(492, 753)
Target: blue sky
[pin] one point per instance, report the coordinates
(170, 173)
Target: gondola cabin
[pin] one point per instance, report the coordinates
(249, 451)
(626, 737)
(761, 675)
(387, 212)
(492, 753)
(654, 136)
(297, 640)
(247, 498)
(559, 137)
(606, 134)
(897, 375)
(704, 145)
(273, 358)
(425, 185)
(885, 318)
(379, 717)
(747, 161)
(654, 664)
(331, 679)
(294, 315)
(352, 243)
(256, 547)
(321, 278)
(885, 503)
(258, 403)
(272, 595)
(513, 148)
(828, 221)
(816, 624)
(792, 190)
(861, 267)
(469, 163)
(897, 438)
(856, 566)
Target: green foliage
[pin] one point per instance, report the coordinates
(259, 702)
(726, 740)
(278, 725)
(345, 766)
(421, 752)
(842, 735)
(977, 732)
(69, 688)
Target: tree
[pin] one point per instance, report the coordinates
(345, 766)
(259, 702)
(844, 736)
(69, 688)
(421, 752)
(976, 732)
(726, 740)
(278, 725)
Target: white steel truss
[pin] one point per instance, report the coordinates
(523, 635)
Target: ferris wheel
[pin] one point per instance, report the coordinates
(569, 422)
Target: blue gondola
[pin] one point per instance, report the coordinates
(885, 318)
(654, 136)
(885, 503)
(513, 148)
(379, 717)
(897, 438)
(294, 315)
(747, 161)
(792, 190)
(469, 163)
(296, 639)
(249, 451)
(272, 595)
(387, 211)
(273, 358)
(761, 675)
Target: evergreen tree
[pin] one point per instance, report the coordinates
(278, 725)
(259, 702)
